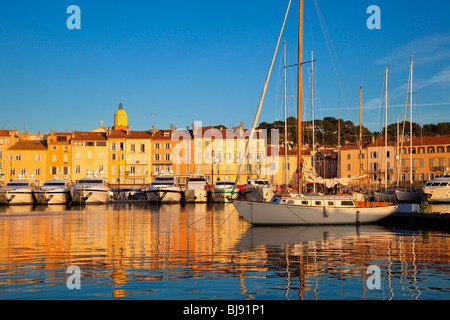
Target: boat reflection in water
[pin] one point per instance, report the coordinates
(207, 251)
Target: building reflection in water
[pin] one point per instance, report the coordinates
(128, 250)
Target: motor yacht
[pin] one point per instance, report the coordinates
(438, 189)
(223, 191)
(258, 190)
(197, 189)
(92, 189)
(19, 191)
(54, 191)
(164, 189)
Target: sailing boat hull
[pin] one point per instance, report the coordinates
(409, 197)
(263, 213)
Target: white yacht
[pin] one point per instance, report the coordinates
(19, 191)
(93, 189)
(54, 191)
(197, 189)
(438, 189)
(223, 191)
(164, 189)
(258, 190)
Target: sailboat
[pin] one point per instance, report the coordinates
(411, 195)
(300, 209)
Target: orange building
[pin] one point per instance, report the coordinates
(59, 154)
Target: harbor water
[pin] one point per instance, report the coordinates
(207, 252)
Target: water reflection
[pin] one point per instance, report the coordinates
(201, 251)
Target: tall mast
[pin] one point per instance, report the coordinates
(360, 135)
(299, 95)
(339, 141)
(313, 116)
(410, 128)
(385, 134)
(285, 122)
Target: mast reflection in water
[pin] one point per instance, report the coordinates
(200, 251)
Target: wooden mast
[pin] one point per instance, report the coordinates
(299, 95)
(360, 135)
(385, 134)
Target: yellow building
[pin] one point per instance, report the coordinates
(218, 153)
(89, 153)
(7, 139)
(138, 157)
(27, 158)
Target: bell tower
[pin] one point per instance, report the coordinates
(120, 119)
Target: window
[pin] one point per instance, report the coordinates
(53, 157)
(156, 146)
(167, 157)
(54, 170)
(349, 156)
(78, 169)
(78, 143)
(37, 171)
(388, 154)
(133, 170)
(53, 147)
(89, 154)
(142, 147)
(65, 158)
(37, 157)
(167, 146)
(349, 167)
(77, 155)
(100, 154)
(17, 157)
(132, 148)
(113, 146)
(157, 157)
(65, 170)
(113, 156)
(61, 138)
(89, 143)
(101, 143)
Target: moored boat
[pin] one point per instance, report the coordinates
(197, 189)
(223, 191)
(54, 191)
(313, 210)
(92, 189)
(18, 192)
(438, 189)
(258, 190)
(164, 189)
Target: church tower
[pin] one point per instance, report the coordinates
(120, 119)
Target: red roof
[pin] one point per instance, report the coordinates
(29, 145)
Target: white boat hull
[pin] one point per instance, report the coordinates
(90, 196)
(224, 195)
(164, 196)
(195, 195)
(437, 195)
(52, 197)
(263, 213)
(16, 197)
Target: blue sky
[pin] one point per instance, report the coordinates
(182, 61)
